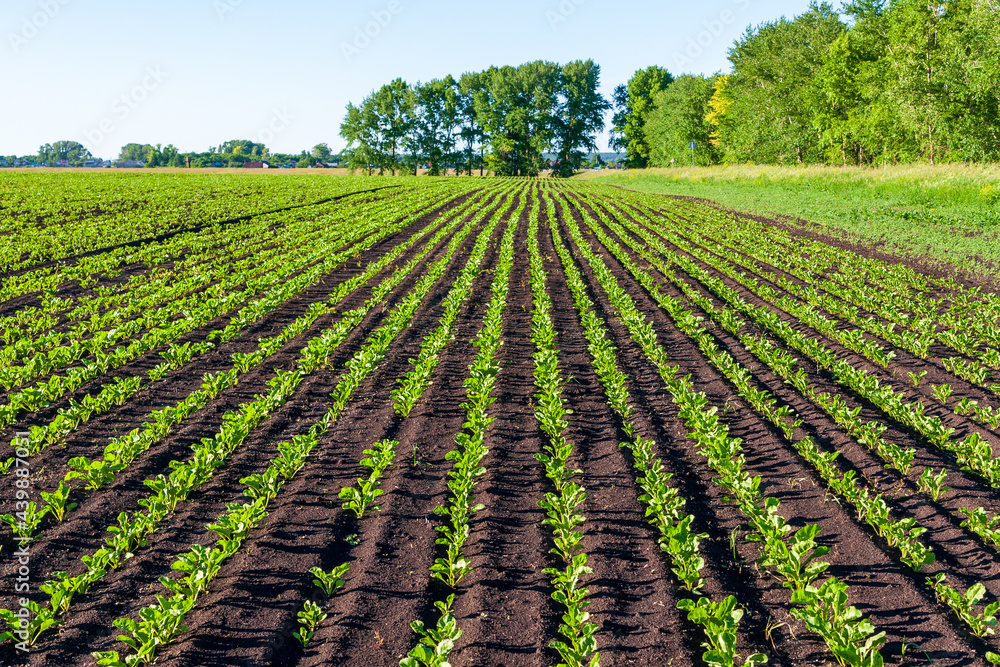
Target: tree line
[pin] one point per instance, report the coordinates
(882, 81)
(232, 154)
(229, 154)
(879, 81)
(504, 120)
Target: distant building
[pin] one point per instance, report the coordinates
(93, 163)
(130, 164)
(256, 165)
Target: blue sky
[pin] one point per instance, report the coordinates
(198, 72)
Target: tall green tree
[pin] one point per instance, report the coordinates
(517, 113)
(135, 152)
(321, 152)
(437, 117)
(971, 72)
(472, 95)
(842, 120)
(858, 120)
(360, 130)
(580, 115)
(774, 89)
(915, 83)
(393, 108)
(679, 116)
(633, 103)
(379, 129)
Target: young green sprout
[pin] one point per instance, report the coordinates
(330, 582)
(933, 484)
(309, 618)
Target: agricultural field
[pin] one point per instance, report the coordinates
(259, 420)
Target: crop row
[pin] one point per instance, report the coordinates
(158, 624)
(719, 618)
(131, 530)
(436, 643)
(561, 506)
(824, 608)
(871, 508)
(121, 451)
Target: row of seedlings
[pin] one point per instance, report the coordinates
(131, 531)
(562, 506)
(122, 451)
(793, 556)
(718, 619)
(870, 507)
(436, 643)
(159, 624)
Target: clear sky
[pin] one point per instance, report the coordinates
(195, 73)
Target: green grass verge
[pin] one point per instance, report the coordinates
(948, 215)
